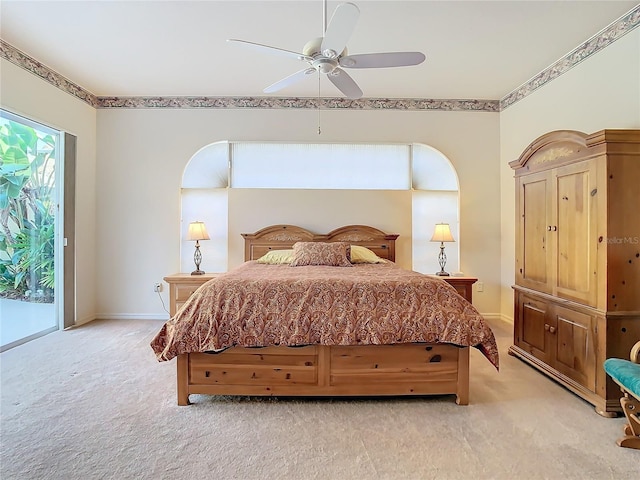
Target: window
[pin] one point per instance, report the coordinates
(30, 222)
(320, 166)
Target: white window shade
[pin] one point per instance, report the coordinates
(208, 168)
(320, 166)
(432, 170)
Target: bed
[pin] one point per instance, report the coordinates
(305, 328)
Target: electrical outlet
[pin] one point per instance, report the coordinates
(157, 287)
(480, 287)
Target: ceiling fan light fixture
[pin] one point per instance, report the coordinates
(325, 65)
(326, 68)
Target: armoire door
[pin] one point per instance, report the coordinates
(533, 331)
(575, 236)
(575, 354)
(533, 250)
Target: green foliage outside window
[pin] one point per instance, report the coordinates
(27, 212)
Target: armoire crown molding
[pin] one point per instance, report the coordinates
(595, 44)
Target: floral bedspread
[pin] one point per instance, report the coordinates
(266, 305)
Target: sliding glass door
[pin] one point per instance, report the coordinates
(30, 243)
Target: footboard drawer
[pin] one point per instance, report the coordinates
(247, 366)
(393, 364)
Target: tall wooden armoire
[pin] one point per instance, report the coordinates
(577, 291)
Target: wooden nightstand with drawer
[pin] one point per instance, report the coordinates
(182, 286)
(464, 285)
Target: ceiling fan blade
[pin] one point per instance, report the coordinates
(339, 30)
(345, 84)
(272, 50)
(290, 80)
(382, 60)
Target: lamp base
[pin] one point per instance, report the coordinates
(197, 259)
(442, 261)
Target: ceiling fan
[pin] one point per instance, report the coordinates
(328, 54)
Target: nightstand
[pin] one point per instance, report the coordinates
(464, 285)
(182, 286)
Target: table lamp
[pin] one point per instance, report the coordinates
(442, 233)
(197, 232)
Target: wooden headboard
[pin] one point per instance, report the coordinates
(282, 237)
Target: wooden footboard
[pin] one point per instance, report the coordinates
(367, 370)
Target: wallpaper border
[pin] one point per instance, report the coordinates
(30, 64)
(595, 44)
(598, 42)
(300, 103)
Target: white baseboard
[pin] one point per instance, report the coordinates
(497, 316)
(83, 320)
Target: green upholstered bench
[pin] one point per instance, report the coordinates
(627, 374)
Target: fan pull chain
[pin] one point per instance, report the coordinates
(319, 131)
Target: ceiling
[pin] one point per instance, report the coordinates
(475, 49)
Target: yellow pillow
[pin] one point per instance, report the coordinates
(364, 255)
(277, 257)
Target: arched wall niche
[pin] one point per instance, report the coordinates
(204, 197)
(435, 199)
(431, 196)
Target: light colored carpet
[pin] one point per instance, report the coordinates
(93, 403)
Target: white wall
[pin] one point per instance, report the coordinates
(601, 92)
(27, 95)
(142, 154)
(320, 211)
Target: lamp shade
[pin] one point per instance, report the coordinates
(442, 233)
(197, 231)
